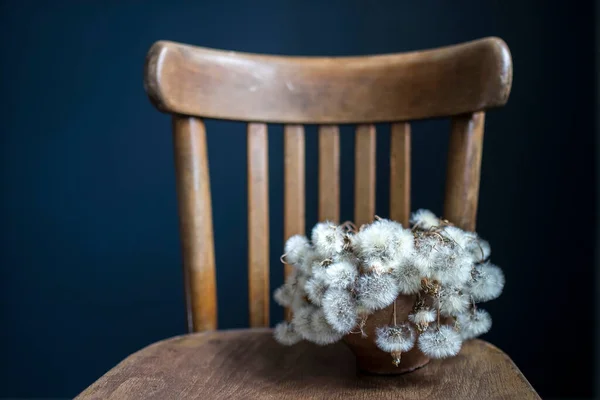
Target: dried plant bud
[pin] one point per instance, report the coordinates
(326, 262)
(430, 287)
(422, 318)
(396, 357)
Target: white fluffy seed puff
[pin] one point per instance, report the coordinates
(424, 219)
(474, 323)
(315, 290)
(328, 239)
(340, 311)
(296, 249)
(285, 334)
(374, 292)
(383, 244)
(323, 333)
(399, 338)
(486, 283)
(341, 277)
(450, 301)
(478, 248)
(440, 342)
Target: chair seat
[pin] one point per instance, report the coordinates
(249, 364)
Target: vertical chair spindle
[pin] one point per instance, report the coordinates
(329, 173)
(294, 183)
(463, 171)
(364, 175)
(400, 172)
(195, 222)
(258, 225)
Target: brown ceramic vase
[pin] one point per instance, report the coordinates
(369, 358)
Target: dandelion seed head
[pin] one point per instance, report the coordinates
(375, 292)
(487, 283)
(451, 301)
(284, 334)
(339, 307)
(341, 275)
(399, 338)
(315, 290)
(297, 248)
(323, 332)
(440, 342)
(424, 219)
(284, 295)
(328, 239)
(408, 278)
(474, 323)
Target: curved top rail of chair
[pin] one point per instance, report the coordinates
(447, 81)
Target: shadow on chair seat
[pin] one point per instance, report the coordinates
(249, 364)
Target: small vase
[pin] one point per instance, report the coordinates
(369, 358)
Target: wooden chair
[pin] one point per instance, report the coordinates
(459, 82)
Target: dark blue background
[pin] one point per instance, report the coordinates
(90, 261)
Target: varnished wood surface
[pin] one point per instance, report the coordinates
(329, 173)
(400, 172)
(258, 225)
(249, 364)
(364, 175)
(293, 191)
(445, 81)
(195, 222)
(463, 171)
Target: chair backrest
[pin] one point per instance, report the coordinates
(459, 82)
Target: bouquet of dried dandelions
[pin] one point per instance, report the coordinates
(343, 275)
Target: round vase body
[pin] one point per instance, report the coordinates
(369, 358)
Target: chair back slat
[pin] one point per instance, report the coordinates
(258, 224)
(400, 172)
(294, 190)
(446, 81)
(364, 174)
(463, 170)
(329, 173)
(195, 221)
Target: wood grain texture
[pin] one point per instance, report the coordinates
(400, 172)
(294, 181)
(329, 173)
(463, 170)
(446, 81)
(258, 225)
(249, 364)
(364, 175)
(195, 222)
